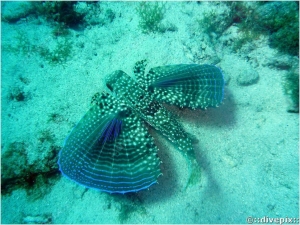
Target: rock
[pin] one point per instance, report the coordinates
(81, 7)
(14, 162)
(214, 59)
(200, 50)
(292, 107)
(14, 11)
(291, 89)
(247, 77)
(282, 62)
(22, 163)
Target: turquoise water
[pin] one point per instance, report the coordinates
(55, 57)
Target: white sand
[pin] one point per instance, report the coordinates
(247, 147)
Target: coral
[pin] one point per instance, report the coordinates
(245, 17)
(151, 15)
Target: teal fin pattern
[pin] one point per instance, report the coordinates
(187, 85)
(111, 150)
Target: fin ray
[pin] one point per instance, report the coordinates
(187, 85)
(105, 153)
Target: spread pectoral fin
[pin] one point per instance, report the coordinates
(187, 85)
(110, 150)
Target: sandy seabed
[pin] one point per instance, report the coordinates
(247, 147)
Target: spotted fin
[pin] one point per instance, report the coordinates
(147, 108)
(155, 114)
(110, 149)
(187, 85)
(139, 72)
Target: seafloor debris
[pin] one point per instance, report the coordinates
(39, 219)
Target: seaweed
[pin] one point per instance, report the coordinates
(22, 45)
(24, 80)
(55, 118)
(126, 210)
(17, 94)
(286, 39)
(279, 20)
(151, 14)
(127, 205)
(37, 185)
(246, 37)
(59, 55)
(14, 160)
(130, 204)
(214, 24)
(60, 30)
(110, 15)
(46, 136)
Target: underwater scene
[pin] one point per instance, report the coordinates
(149, 112)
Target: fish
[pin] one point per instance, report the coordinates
(111, 150)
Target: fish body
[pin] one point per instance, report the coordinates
(111, 150)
